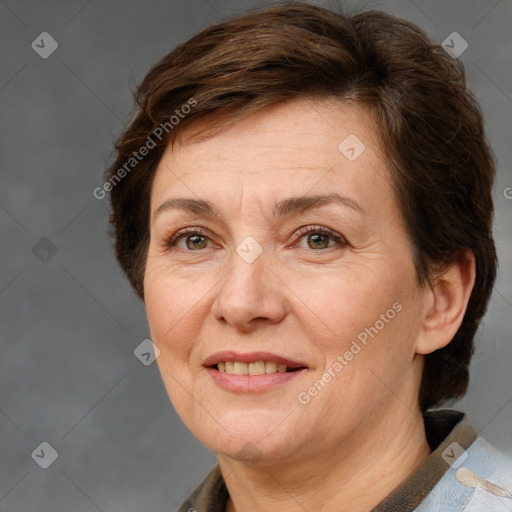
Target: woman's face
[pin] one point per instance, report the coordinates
(286, 247)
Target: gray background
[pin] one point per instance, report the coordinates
(70, 324)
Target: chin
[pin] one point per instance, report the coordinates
(253, 435)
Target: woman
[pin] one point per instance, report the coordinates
(303, 201)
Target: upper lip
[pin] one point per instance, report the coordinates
(251, 357)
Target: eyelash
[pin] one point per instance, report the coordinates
(170, 243)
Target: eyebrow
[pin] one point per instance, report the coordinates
(281, 209)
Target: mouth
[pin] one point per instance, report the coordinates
(256, 371)
(254, 368)
(254, 363)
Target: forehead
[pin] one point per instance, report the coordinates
(293, 147)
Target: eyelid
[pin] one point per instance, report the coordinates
(169, 241)
(311, 228)
(299, 233)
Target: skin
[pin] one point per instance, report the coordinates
(362, 434)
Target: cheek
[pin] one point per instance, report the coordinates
(169, 298)
(342, 303)
(174, 309)
(365, 315)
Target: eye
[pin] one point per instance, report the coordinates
(318, 237)
(190, 239)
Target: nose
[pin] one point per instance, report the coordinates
(250, 294)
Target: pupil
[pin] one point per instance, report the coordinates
(195, 241)
(317, 238)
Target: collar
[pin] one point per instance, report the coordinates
(442, 428)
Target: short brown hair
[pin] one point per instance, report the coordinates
(430, 126)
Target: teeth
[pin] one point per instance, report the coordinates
(270, 367)
(256, 368)
(240, 368)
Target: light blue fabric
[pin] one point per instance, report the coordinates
(485, 464)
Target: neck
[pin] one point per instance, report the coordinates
(358, 474)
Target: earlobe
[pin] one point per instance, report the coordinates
(449, 297)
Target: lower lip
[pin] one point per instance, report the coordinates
(252, 383)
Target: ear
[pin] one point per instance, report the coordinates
(446, 304)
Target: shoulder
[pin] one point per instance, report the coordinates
(478, 478)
